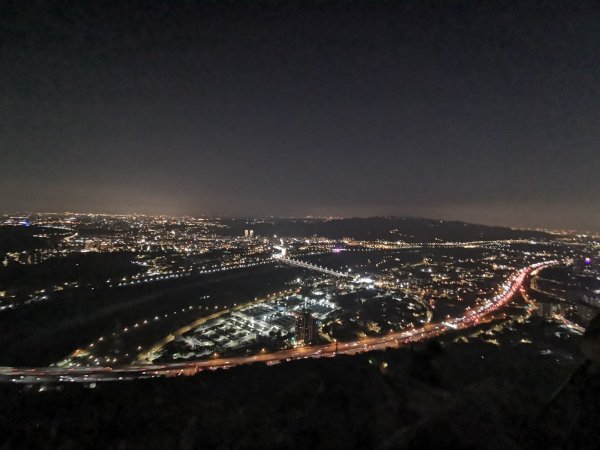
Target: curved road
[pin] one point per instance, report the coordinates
(92, 374)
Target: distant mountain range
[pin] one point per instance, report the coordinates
(409, 229)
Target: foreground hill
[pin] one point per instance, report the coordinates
(476, 396)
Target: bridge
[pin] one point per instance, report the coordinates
(305, 265)
(282, 257)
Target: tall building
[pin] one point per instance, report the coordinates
(306, 329)
(547, 310)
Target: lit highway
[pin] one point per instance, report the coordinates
(470, 318)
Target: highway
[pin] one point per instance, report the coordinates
(470, 318)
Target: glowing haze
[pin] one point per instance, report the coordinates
(481, 111)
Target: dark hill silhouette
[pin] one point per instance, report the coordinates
(408, 229)
(431, 396)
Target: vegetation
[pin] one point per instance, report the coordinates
(410, 398)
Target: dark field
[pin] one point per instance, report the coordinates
(45, 332)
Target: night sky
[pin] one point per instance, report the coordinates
(484, 111)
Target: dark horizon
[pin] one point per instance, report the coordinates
(289, 217)
(471, 111)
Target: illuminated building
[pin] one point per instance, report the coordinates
(547, 310)
(305, 326)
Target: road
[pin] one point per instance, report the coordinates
(470, 318)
